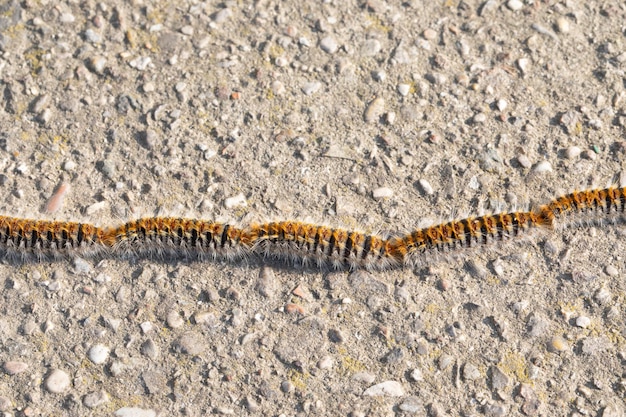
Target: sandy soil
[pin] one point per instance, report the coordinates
(383, 116)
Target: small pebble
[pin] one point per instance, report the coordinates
(364, 377)
(502, 104)
(524, 161)
(236, 201)
(382, 192)
(278, 88)
(583, 322)
(374, 110)
(57, 381)
(412, 405)
(480, 118)
(471, 372)
(98, 354)
(562, 25)
(67, 18)
(429, 34)
(603, 296)
(69, 165)
(425, 187)
(190, 344)
(95, 207)
(499, 380)
(311, 87)
(286, 386)
(92, 36)
(558, 344)
(150, 349)
(96, 399)
(385, 389)
(174, 319)
(5, 405)
(379, 76)
(97, 64)
(445, 361)
(514, 5)
(543, 166)
(15, 367)
(572, 152)
(404, 89)
(222, 16)
(416, 375)
(329, 45)
(134, 412)
(40, 103)
(611, 271)
(325, 363)
(81, 266)
(371, 47)
(523, 64)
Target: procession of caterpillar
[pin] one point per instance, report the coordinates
(295, 242)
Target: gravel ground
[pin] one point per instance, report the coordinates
(381, 115)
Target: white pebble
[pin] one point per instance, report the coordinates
(514, 5)
(98, 354)
(524, 161)
(149, 87)
(96, 399)
(583, 322)
(374, 110)
(562, 25)
(572, 152)
(67, 18)
(471, 372)
(236, 201)
(94, 208)
(135, 411)
(404, 89)
(386, 389)
(329, 45)
(425, 187)
(543, 166)
(382, 192)
(146, 327)
(278, 88)
(222, 16)
(311, 87)
(140, 63)
(502, 104)
(174, 319)
(57, 382)
(523, 64)
(480, 117)
(611, 271)
(69, 165)
(416, 375)
(15, 367)
(379, 76)
(325, 363)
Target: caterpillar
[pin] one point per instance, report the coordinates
(299, 243)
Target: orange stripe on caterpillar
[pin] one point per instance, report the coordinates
(303, 243)
(178, 236)
(458, 234)
(41, 239)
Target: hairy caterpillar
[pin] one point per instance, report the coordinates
(296, 242)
